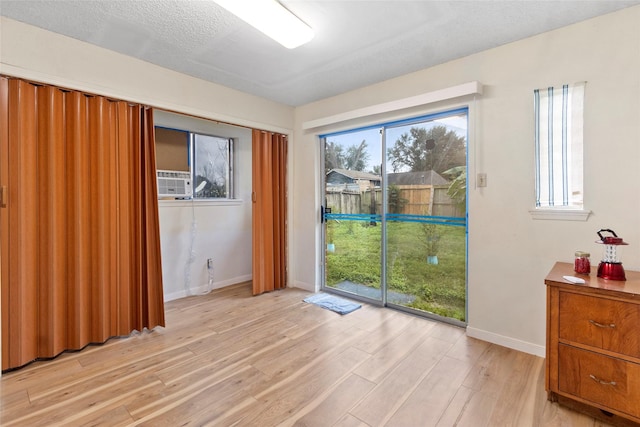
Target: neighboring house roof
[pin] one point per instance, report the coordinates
(356, 174)
(414, 178)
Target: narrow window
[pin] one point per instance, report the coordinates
(559, 146)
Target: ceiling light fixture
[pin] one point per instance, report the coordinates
(272, 19)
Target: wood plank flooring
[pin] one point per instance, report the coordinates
(229, 358)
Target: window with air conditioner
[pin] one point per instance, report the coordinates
(193, 165)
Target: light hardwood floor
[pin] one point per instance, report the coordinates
(228, 358)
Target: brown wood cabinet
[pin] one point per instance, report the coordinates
(593, 344)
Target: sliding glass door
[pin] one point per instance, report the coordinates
(353, 213)
(394, 214)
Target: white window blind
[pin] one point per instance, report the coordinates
(558, 146)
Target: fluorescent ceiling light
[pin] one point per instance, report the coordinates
(272, 19)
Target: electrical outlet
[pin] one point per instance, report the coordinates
(210, 263)
(482, 180)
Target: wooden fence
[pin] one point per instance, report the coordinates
(411, 199)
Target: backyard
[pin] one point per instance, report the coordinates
(414, 277)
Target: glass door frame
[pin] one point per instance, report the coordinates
(323, 185)
(384, 213)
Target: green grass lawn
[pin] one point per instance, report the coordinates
(438, 289)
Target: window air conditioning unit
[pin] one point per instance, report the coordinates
(174, 184)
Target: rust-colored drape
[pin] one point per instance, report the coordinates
(80, 254)
(269, 152)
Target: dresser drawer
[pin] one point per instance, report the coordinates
(601, 323)
(606, 381)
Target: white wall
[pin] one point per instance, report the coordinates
(193, 231)
(509, 252)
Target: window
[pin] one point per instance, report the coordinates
(212, 167)
(558, 114)
(193, 165)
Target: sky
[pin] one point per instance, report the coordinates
(456, 123)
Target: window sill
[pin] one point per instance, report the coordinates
(198, 203)
(560, 214)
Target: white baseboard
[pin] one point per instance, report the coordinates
(516, 344)
(302, 285)
(203, 288)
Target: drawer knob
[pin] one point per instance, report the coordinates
(602, 325)
(599, 381)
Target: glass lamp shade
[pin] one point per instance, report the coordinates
(612, 253)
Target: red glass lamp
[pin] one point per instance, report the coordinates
(610, 268)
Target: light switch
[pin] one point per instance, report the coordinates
(482, 180)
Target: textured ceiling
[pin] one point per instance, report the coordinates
(356, 42)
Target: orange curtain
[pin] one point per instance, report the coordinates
(269, 152)
(79, 228)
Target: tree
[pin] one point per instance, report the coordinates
(333, 156)
(458, 188)
(436, 149)
(357, 157)
(431, 238)
(395, 202)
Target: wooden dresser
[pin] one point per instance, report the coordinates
(593, 344)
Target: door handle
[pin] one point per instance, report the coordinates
(323, 212)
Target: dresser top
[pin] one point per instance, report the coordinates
(629, 287)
